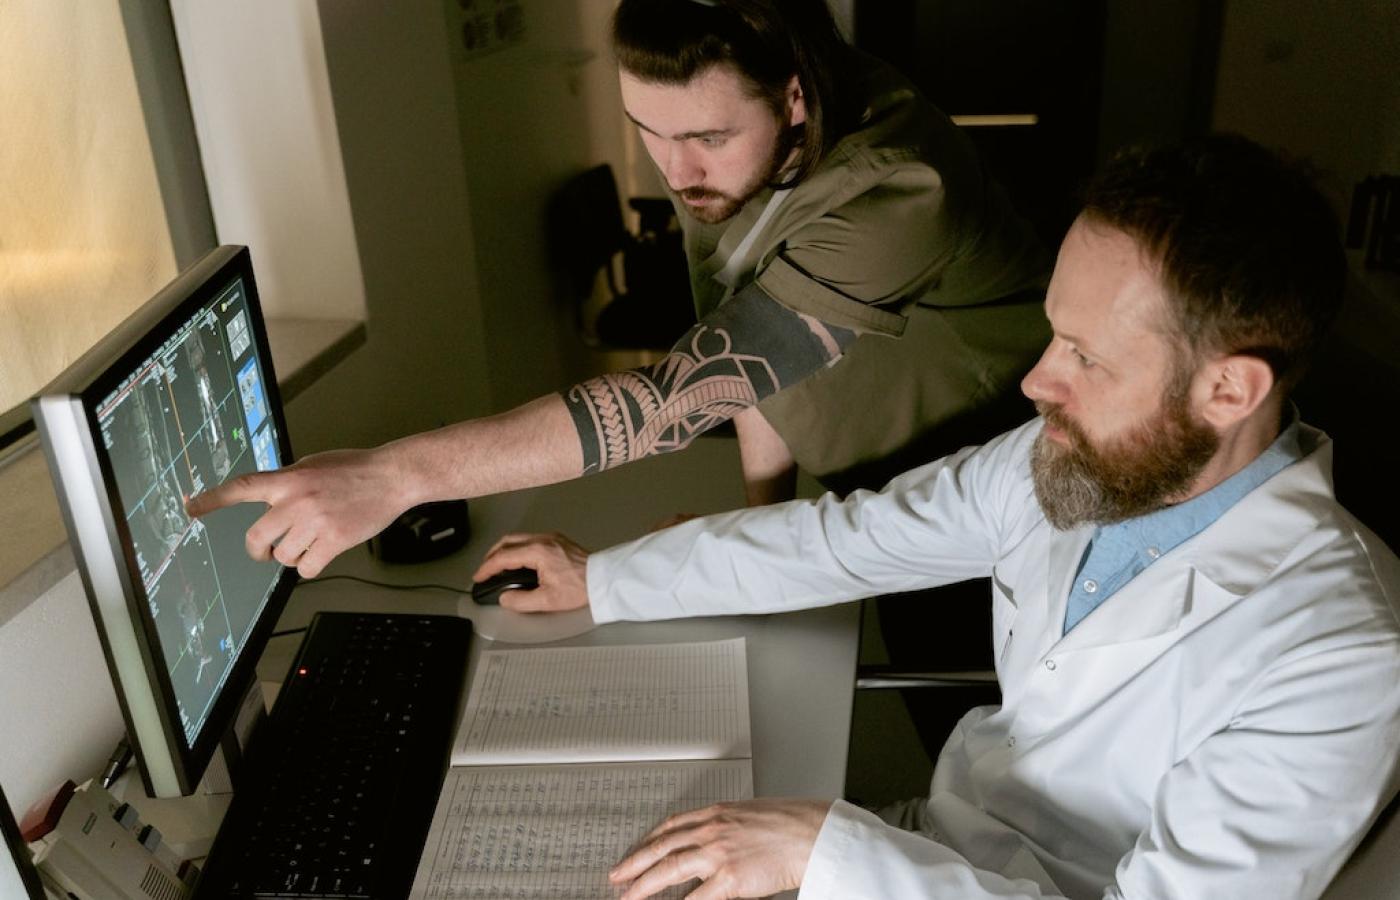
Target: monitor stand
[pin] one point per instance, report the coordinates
(188, 824)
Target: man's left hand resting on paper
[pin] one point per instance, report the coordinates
(753, 848)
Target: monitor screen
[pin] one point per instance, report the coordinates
(178, 399)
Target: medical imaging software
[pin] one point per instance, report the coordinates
(189, 416)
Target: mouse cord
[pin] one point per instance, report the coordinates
(382, 584)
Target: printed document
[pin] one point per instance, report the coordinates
(566, 757)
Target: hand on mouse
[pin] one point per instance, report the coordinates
(560, 564)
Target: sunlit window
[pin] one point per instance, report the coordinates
(83, 233)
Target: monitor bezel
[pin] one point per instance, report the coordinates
(86, 384)
(24, 870)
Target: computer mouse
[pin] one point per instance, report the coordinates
(488, 592)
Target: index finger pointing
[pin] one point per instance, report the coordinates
(242, 489)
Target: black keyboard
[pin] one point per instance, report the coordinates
(342, 779)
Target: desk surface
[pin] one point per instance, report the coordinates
(801, 665)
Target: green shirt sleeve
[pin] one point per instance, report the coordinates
(861, 263)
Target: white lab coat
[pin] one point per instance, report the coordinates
(1227, 725)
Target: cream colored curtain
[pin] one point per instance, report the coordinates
(83, 233)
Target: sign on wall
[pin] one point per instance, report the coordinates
(485, 26)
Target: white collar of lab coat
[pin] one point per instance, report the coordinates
(1225, 561)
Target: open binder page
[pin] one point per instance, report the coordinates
(552, 832)
(647, 702)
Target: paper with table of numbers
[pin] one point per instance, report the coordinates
(552, 832)
(566, 757)
(607, 704)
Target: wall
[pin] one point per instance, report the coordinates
(451, 159)
(1149, 66)
(531, 114)
(258, 92)
(1321, 80)
(425, 360)
(59, 713)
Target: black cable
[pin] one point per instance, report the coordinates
(372, 583)
(384, 584)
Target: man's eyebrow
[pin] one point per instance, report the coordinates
(1057, 331)
(683, 136)
(1068, 337)
(1079, 343)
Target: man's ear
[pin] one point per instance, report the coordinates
(797, 106)
(1231, 388)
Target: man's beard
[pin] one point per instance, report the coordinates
(1131, 476)
(730, 204)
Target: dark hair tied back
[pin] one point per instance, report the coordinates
(766, 41)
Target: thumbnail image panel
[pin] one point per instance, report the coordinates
(265, 449)
(240, 336)
(250, 393)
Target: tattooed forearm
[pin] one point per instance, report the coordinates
(751, 348)
(660, 408)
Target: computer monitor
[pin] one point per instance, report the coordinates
(178, 398)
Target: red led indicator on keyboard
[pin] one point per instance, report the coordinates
(302, 670)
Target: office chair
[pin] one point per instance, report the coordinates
(880, 677)
(1374, 221)
(940, 665)
(651, 308)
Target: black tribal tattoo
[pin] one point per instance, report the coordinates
(750, 348)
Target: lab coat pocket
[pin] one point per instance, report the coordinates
(1003, 619)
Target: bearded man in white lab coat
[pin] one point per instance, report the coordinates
(1197, 647)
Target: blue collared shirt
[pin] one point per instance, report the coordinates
(1118, 552)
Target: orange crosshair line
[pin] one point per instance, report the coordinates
(175, 410)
